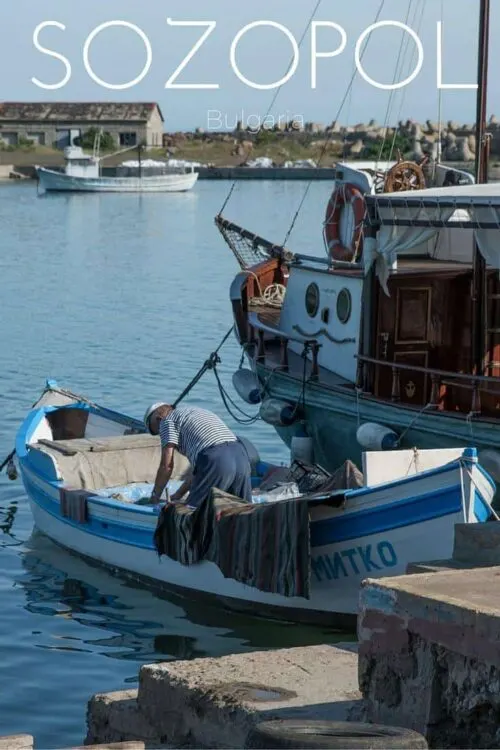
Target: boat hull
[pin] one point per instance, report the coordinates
(171, 183)
(378, 534)
(334, 415)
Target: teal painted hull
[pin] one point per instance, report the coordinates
(333, 416)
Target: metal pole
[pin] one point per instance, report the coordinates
(479, 321)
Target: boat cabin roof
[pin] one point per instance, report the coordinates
(76, 153)
(407, 266)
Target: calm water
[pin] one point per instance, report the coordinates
(120, 298)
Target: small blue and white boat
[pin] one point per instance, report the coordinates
(403, 511)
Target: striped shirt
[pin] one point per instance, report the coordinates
(192, 430)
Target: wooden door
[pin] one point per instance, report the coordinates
(404, 330)
(490, 396)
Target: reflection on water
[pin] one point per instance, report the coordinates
(121, 298)
(141, 625)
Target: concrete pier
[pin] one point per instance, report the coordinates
(26, 742)
(429, 655)
(213, 703)
(17, 742)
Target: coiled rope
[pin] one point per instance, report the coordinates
(272, 296)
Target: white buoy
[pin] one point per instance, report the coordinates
(376, 437)
(278, 413)
(247, 386)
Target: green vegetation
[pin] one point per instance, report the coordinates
(390, 149)
(87, 140)
(23, 144)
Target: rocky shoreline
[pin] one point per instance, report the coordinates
(453, 142)
(310, 146)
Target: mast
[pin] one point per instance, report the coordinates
(479, 299)
(139, 149)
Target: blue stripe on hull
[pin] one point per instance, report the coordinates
(482, 510)
(113, 532)
(323, 533)
(377, 520)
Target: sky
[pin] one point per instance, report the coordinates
(263, 55)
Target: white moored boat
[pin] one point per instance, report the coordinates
(88, 473)
(82, 173)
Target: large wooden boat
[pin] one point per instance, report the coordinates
(398, 328)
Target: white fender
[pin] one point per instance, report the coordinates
(278, 413)
(376, 437)
(247, 386)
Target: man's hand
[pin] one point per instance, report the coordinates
(164, 471)
(183, 489)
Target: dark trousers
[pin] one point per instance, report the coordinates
(225, 466)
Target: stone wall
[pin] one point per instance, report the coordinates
(429, 655)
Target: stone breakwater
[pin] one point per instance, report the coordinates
(413, 139)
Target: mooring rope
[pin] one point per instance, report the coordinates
(273, 296)
(209, 364)
(9, 458)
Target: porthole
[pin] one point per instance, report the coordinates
(344, 305)
(312, 300)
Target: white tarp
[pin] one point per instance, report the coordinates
(459, 213)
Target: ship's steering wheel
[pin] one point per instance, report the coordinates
(405, 175)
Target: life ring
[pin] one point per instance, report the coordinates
(344, 194)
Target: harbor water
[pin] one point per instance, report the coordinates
(121, 298)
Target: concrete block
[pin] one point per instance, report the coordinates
(477, 544)
(116, 717)
(16, 742)
(5, 170)
(434, 566)
(429, 655)
(212, 703)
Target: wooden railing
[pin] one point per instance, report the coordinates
(438, 378)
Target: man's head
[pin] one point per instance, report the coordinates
(153, 416)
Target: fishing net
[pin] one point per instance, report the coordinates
(248, 248)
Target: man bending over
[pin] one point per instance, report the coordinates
(217, 457)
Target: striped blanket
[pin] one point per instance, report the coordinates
(265, 546)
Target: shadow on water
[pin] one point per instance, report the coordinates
(140, 625)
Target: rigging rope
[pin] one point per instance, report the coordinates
(440, 106)
(330, 134)
(404, 39)
(277, 92)
(403, 97)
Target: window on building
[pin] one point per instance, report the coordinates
(37, 138)
(128, 139)
(9, 139)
